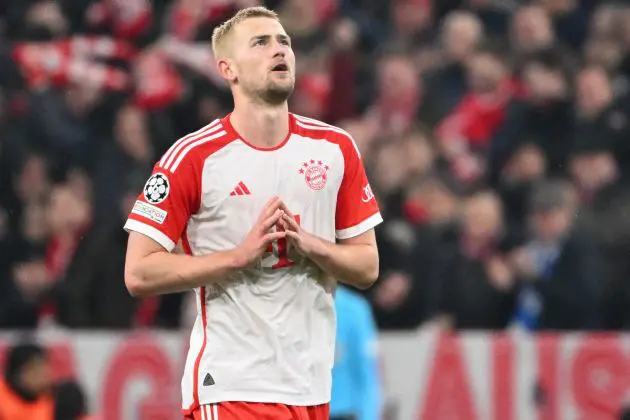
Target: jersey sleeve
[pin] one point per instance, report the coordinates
(357, 210)
(165, 205)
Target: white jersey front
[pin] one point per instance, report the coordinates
(264, 334)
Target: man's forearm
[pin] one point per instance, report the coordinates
(163, 272)
(353, 264)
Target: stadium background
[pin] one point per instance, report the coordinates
(496, 136)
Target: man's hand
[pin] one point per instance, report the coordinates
(259, 237)
(499, 273)
(522, 264)
(31, 279)
(306, 244)
(393, 290)
(353, 261)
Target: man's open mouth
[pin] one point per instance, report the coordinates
(280, 67)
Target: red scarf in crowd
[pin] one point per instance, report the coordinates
(476, 117)
(158, 84)
(69, 61)
(186, 16)
(128, 19)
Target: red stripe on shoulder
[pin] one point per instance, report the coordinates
(170, 154)
(315, 129)
(199, 150)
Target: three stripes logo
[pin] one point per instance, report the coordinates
(241, 189)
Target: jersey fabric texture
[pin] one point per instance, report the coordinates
(264, 334)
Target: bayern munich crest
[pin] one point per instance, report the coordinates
(315, 173)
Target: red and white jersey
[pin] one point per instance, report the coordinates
(264, 334)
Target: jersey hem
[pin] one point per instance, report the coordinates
(256, 398)
(151, 232)
(360, 228)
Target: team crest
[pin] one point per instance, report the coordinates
(156, 189)
(315, 173)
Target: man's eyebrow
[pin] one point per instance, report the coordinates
(257, 37)
(283, 37)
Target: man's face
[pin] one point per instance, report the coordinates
(460, 38)
(262, 60)
(482, 217)
(593, 170)
(543, 83)
(36, 376)
(531, 29)
(594, 92)
(485, 72)
(550, 225)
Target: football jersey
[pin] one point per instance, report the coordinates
(266, 333)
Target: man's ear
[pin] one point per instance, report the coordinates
(226, 69)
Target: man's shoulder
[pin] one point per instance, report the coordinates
(316, 129)
(196, 146)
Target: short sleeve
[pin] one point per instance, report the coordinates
(357, 209)
(165, 205)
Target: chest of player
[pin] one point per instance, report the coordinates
(238, 180)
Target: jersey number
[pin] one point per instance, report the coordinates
(282, 248)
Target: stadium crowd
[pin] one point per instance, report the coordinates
(495, 134)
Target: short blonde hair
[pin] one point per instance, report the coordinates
(223, 30)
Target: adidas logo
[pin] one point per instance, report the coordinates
(241, 189)
(208, 380)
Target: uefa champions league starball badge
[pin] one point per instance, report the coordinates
(156, 189)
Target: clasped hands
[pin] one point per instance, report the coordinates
(276, 214)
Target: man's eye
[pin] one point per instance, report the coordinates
(259, 42)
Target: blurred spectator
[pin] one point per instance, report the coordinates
(531, 29)
(70, 402)
(414, 253)
(356, 393)
(559, 268)
(541, 118)
(606, 53)
(570, 20)
(410, 20)
(466, 132)
(86, 292)
(25, 390)
(598, 167)
(399, 91)
(524, 168)
(478, 284)
(461, 33)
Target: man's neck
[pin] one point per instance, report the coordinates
(261, 125)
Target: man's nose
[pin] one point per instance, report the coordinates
(278, 49)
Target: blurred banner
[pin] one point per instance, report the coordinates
(481, 376)
(427, 375)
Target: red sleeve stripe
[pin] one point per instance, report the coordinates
(311, 121)
(205, 139)
(170, 154)
(329, 128)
